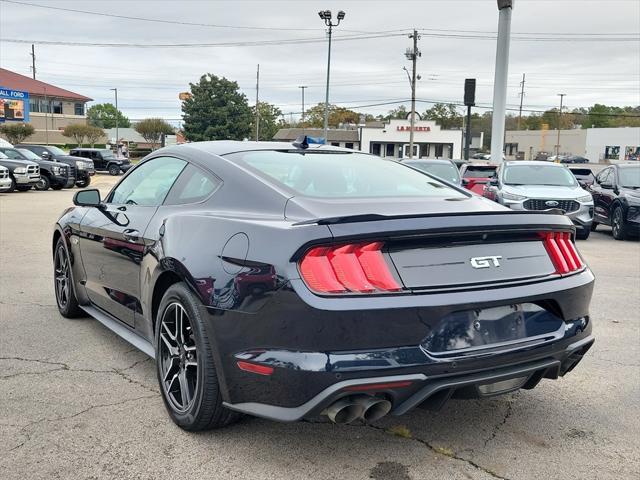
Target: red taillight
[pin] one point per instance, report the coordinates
(355, 267)
(562, 252)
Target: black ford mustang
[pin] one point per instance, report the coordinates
(288, 281)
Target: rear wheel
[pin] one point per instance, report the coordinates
(114, 170)
(583, 234)
(23, 188)
(57, 187)
(63, 283)
(84, 183)
(618, 227)
(594, 225)
(43, 184)
(186, 371)
(12, 188)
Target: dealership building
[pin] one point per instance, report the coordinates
(46, 107)
(391, 138)
(596, 144)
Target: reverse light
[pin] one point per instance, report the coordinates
(562, 252)
(354, 267)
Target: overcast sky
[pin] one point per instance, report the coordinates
(596, 63)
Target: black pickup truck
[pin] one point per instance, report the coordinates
(55, 175)
(83, 168)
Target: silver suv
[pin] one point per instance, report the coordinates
(543, 186)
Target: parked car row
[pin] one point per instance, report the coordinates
(45, 166)
(610, 198)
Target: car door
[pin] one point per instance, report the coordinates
(113, 241)
(602, 191)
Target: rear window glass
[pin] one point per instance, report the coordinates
(334, 174)
(479, 171)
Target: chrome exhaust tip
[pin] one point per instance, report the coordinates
(344, 410)
(374, 408)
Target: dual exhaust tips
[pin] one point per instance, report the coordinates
(365, 407)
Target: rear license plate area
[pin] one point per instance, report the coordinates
(477, 332)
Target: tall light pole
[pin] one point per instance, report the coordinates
(505, 8)
(302, 87)
(413, 54)
(326, 16)
(117, 131)
(561, 95)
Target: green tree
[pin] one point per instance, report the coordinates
(94, 134)
(270, 120)
(314, 117)
(444, 115)
(216, 110)
(16, 132)
(152, 129)
(103, 115)
(77, 131)
(400, 113)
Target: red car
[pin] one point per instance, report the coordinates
(475, 176)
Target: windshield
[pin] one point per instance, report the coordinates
(337, 174)
(28, 154)
(56, 151)
(445, 171)
(480, 171)
(538, 175)
(629, 176)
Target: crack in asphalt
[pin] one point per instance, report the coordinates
(497, 427)
(439, 451)
(67, 417)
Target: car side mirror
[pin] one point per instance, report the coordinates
(493, 182)
(87, 198)
(45, 155)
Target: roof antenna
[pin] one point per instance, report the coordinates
(301, 142)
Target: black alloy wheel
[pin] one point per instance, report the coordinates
(43, 184)
(178, 358)
(84, 183)
(23, 188)
(618, 227)
(185, 366)
(63, 283)
(12, 188)
(114, 170)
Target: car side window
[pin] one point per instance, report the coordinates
(603, 177)
(12, 154)
(193, 186)
(149, 183)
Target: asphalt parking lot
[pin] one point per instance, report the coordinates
(78, 402)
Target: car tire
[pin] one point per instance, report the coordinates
(43, 184)
(57, 187)
(63, 283)
(184, 360)
(83, 183)
(594, 225)
(23, 188)
(12, 188)
(114, 170)
(583, 233)
(618, 227)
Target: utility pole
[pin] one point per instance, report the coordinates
(302, 87)
(561, 95)
(257, 104)
(33, 60)
(413, 54)
(46, 116)
(505, 8)
(521, 100)
(117, 130)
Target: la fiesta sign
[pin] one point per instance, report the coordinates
(407, 128)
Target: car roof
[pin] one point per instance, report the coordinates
(534, 163)
(431, 161)
(225, 147)
(91, 149)
(626, 165)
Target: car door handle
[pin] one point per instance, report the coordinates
(131, 235)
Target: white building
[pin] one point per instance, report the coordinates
(596, 144)
(391, 139)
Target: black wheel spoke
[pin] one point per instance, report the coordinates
(62, 277)
(178, 357)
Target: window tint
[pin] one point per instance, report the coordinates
(603, 177)
(336, 174)
(193, 186)
(149, 183)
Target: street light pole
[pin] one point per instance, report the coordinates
(326, 16)
(505, 8)
(117, 130)
(561, 95)
(302, 87)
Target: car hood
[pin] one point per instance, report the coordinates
(630, 192)
(307, 208)
(12, 163)
(546, 191)
(71, 158)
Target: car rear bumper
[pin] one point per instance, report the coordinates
(319, 351)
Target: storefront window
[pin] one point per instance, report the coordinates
(348, 145)
(78, 109)
(391, 150)
(57, 106)
(375, 148)
(439, 150)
